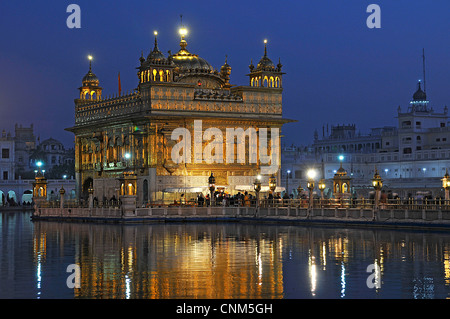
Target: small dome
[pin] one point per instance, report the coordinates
(187, 61)
(90, 78)
(265, 64)
(192, 62)
(419, 95)
(156, 54)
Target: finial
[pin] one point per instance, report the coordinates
(279, 65)
(226, 58)
(265, 47)
(156, 39)
(90, 61)
(182, 30)
(251, 66)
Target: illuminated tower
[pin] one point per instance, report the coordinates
(266, 74)
(156, 68)
(90, 90)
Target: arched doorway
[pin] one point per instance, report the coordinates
(27, 197)
(11, 198)
(2, 199)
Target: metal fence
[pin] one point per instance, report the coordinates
(361, 203)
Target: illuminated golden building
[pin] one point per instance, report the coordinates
(134, 130)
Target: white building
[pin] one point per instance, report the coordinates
(411, 157)
(7, 165)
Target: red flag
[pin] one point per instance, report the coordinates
(120, 86)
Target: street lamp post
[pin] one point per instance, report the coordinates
(272, 183)
(257, 188)
(311, 185)
(322, 186)
(377, 184)
(288, 172)
(212, 187)
(272, 187)
(446, 186)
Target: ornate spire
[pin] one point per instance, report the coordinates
(279, 65)
(90, 63)
(265, 64)
(225, 71)
(251, 66)
(265, 48)
(156, 41)
(156, 55)
(183, 32)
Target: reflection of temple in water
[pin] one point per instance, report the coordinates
(201, 261)
(243, 261)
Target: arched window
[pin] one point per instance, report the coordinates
(344, 188)
(161, 75)
(154, 75)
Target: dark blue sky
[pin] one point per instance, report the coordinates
(338, 70)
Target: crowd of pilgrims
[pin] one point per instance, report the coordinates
(239, 199)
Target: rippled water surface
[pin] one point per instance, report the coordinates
(233, 260)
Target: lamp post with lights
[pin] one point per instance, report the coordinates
(446, 186)
(257, 188)
(311, 185)
(272, 183)
(377, 184)
(212, 187)
(272, 187)
(288, 172)
(322, 186)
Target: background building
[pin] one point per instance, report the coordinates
(25, 144)
(412, 158)
(18, 158)
(7, 163)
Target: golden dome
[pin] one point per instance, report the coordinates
(187, 61)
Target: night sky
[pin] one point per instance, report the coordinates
(338, 70)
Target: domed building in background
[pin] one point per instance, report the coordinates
(134, 131)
